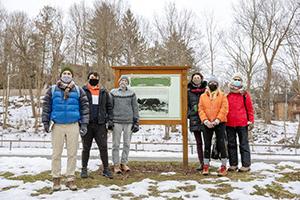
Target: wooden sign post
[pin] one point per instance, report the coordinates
(162, 95)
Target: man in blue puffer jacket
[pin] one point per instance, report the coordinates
(66, 113)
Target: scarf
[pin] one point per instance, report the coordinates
(66, 87)
(197, 89)
(235, 89)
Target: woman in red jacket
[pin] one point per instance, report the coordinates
(240, 116)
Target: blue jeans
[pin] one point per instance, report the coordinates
(242, 133)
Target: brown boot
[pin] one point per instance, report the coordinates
(125, 168)
(71, 184)
(117, 169)
(56, 184)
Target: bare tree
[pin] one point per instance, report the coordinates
(290, 58)
(242, 46)
(20, 29)
(213, 36)
(79, 16)
(275, 22)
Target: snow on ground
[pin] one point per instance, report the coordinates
(21, 122)
(242, 189)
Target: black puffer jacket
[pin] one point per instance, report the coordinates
(194, 94)
(104, 110)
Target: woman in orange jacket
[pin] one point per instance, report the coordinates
(213, 109)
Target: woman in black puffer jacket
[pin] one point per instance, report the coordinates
(195, 88)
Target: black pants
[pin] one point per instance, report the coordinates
(220, 137)
(242, 133)
(199, 144)
(99, 133)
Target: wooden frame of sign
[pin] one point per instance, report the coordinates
(163, 70)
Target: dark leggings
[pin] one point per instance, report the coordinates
(199, 144)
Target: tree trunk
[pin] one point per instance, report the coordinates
(298, 135)
(267, 96)
(167, 133)
(6, 103)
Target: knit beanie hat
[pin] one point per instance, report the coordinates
(124, 77)
(213, 78)
(66, 69)
(237, 76)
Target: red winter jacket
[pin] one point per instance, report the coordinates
(237, 115)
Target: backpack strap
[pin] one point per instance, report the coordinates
(53, 89)
(245, 97)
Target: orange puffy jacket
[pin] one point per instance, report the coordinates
(213, 106)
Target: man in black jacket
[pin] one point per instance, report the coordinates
(100, 114)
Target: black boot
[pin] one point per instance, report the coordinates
(107, 173)
(84, 173)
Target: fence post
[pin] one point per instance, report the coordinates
(10, 145)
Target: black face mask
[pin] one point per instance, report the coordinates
(213, 87)
(93, 82)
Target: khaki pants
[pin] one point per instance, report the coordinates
(60, 133)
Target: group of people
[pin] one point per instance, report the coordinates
(70, 111)
(90, 111)
(228, 116)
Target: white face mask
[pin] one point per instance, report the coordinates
(66, 78)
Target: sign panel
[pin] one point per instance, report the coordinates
(158, 95)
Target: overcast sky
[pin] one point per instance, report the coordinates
(146, 8)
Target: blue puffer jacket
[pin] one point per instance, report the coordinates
(65, 111)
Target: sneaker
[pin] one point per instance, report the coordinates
(107, 173)
(117, 169)
(84, 173)
(125, 168)
(200, 167)
(232, 168)
(56, 184)
(205, 170)
(71, 185)
(222, 171)
(244, 169)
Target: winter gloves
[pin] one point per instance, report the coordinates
(83, 129)
(46, 127)
(110, 125)
(135, 126)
